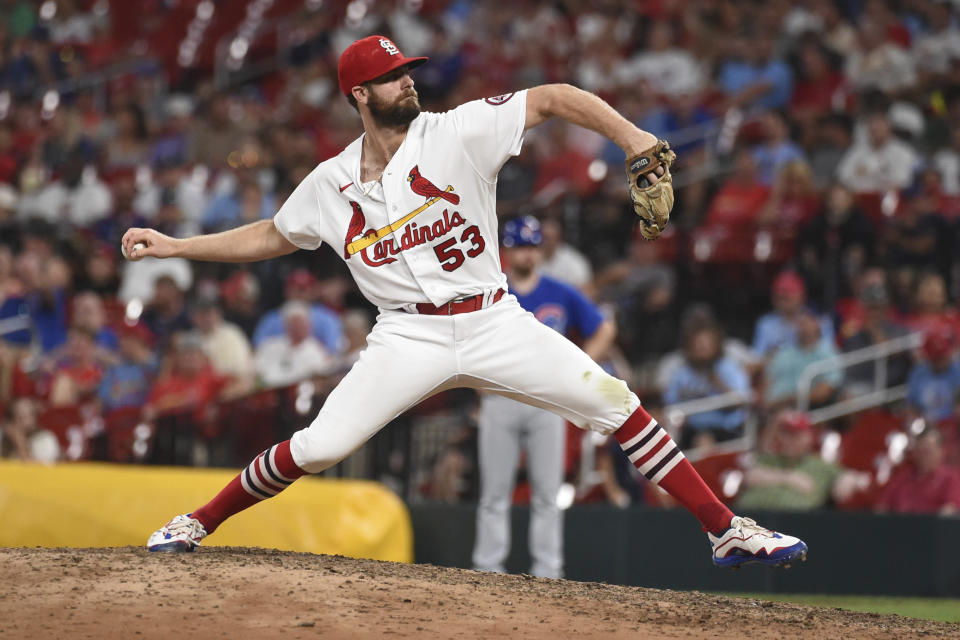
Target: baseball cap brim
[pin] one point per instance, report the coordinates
(413, 62)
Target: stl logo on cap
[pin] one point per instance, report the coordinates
(389, 46)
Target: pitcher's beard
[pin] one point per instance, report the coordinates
(397, 114)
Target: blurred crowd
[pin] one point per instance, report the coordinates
(818, 193)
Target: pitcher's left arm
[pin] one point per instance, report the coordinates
(648, 159)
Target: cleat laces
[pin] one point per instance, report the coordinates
(748, 525)
(189, 526)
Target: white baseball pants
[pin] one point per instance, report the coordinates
(501, 348)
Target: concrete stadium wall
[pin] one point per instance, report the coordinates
(850, 553)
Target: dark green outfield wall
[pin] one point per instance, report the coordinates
(850, 553)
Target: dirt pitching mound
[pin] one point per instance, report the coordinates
(257, 593)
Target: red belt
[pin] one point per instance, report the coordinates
(466, 305)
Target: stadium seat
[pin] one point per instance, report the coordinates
(872, 205)
(867, 439)
(124, 442)
(865, 447)
(250, 423)
(725, 245)
(67, 424)
(174, 438)
(714, 470)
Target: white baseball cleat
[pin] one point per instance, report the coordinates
(181, 534)
(745, 542)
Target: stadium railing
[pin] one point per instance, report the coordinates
(881, 394)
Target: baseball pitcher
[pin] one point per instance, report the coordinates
(410, 207)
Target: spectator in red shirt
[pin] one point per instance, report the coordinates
(820, 89)
(563, 168)
(926, 484)
(739, 200)
(78, 368)
(794, 199)
(852, 312)
(933, 199)
(894, 29)
(190, 382)
(931, 308)
(9, 159)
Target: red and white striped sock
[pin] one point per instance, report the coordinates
(651, 450)
(270, 473)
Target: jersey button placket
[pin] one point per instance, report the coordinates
(412, 258)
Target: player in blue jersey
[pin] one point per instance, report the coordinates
(507, 427)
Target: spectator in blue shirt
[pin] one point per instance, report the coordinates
(790, 361)
(443, 76)
(167, 312)
(127, 383)
(88, 312)
(44, 299)
(326, 325)
(934, 382)
(755, 76)
(244, 204)
(685, 115)
(642, 108)
(778, 328)
(706, 372)
(776, 151)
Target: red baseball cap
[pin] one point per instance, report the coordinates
(938, 342)
(795, 421)
(370, 58)
(137, 330)
(300, 278)
(788, 283)
(241, 284)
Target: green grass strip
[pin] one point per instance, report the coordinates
(940, 609)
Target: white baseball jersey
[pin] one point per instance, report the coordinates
(427, 231)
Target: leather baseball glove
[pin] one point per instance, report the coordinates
(652, 202)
